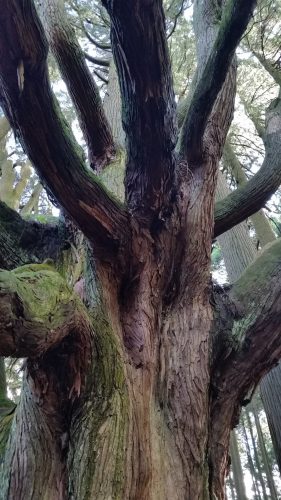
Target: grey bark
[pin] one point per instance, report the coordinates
(270, 389)
(237, 247)
(112, 107)
(270, 481)
(250, 462)
(256, 456)
(237, 468)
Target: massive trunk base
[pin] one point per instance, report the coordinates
(134, 434)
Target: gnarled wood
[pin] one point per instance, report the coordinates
(158, 398)
(252, 348)
(36, 119)
(37, 311)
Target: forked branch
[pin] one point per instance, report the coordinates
(235, 17)
(33, 112)
(254, 347)
(251, 197)
(80, 83)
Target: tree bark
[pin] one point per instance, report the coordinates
(239, 252)
(80, 83)
(270, 482)
(270, 393)
(237, 468)
(250, 462)
(143, 408)
(237, 247)
(257, 460)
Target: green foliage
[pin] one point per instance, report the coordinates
(43, 218)
(216, 257)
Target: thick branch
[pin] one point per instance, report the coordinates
(274, 72)
(148, 112)
(22, 242)
(102, 46)
(80, 83)
(97, 60)
(28, 102)
(235, 17)
(251, 197)
(254, 347)
(37, 311)
(263, 229)
(255, 333)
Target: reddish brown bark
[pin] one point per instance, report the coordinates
(171, 361)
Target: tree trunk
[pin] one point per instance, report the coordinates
(231, 487)
(270, 388)
(237, 247)
(270, 482)
(250, 462)
(237, 468)
(127, 437)
(257, 460)
(134, 396)
(238, 252)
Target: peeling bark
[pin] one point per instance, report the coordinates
(142, 410)
(37, 120)
(148, 111)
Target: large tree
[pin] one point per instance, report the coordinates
(132, 394)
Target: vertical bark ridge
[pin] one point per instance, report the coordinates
(33, 451)
(184, 390)
(148, 107)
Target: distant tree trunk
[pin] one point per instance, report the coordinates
(270, 388)
(3, 384)
(238, 249)
(250, 462)
(263, 229)
(112, 107)
(271, 384)
(231, 486)
(256, 455)
(237, 468)
(270, 481)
